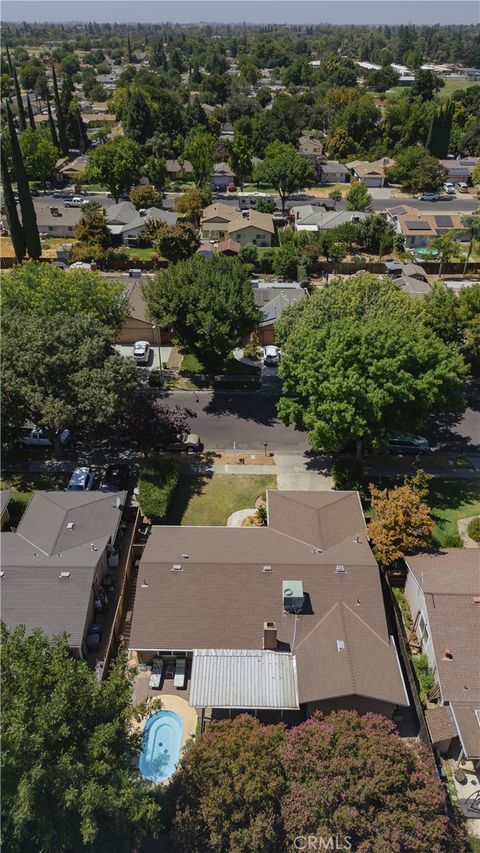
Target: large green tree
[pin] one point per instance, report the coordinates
(199, 147)
(14, 225)
(416, 170)
(208, 303)
(29, 217)
(62, 370)
(61, 124)
(74, 788)
(240, 158)
(359, 364)
(92, 228)
(116, 164)
(39, 154)
(138, 123)
(438, 140)
(43, 290)
(284, 169)
(358, 197)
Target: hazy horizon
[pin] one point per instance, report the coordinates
(308, 12)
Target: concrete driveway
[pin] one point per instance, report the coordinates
(126, 351)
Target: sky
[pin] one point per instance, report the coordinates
(366, 12)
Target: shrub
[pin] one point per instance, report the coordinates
(347, 475)
(452, 540)
(157, 482)
(474, 529)
(423, 673)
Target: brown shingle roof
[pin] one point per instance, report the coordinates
(440, 724)
(231, 583)
(253, 218)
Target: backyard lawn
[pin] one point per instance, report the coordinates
(23, 486)
(209, 502)
(142, 254)
(450, 500)
(191, 364)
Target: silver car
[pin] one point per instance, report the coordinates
(408, 444)
(141, 352)
(82, 480)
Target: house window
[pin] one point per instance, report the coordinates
(423, 630)
(258, 236)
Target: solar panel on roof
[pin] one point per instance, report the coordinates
(418, 225)
(444, 221)
(457, 171)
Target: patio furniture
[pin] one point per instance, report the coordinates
(156, 675)
(170, 671)
(460, 775)
(179, 680)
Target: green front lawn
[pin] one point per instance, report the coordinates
(142, 254)
(450, 500)
(191, 364)
(23, 486)
(209, 502)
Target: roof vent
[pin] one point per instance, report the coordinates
(340, 645)
(447, 655)
(267, 569)
(64, 575)
(2, 574)
(177, 567)
(292, 596)
(93, 547)
(476, 599)
(317, 551)
(144, 584)
(340, 568)
(185, 556)
(70, 525)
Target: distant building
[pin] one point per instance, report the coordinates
(370, 174)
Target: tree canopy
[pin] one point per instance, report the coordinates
(359, 364)
(284, 169)
(116, 164)
(401, 522)
(208, 303)
(198, 149)
(74, 787)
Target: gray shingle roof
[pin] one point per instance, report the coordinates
(231, 583)
(5, 496)
(272, 301)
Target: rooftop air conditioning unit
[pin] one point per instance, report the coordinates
(292, 596)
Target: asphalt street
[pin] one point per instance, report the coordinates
(249, 420)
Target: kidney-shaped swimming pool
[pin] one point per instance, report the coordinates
(162, 742)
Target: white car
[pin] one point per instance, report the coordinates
(141, 352)
(36, 437)
(449, 188)
(82, 480)
(81, 265)
(76, 201)
(271, 356)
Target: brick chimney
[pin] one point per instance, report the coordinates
(270, 636)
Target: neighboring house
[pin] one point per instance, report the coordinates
(5, 497)
(310, 145)
(222, 222)
(138, 326)
(177, 171)
(332, 172)
(98, 118)
(222, 176)
(250, 226)
(54, 563)
(228, 247)
(443, 593)
(309, 218)
(75, 167)
(460, 170)
(57, 221)
(395, 269)
(226, 131)
(133, 224)
(284, 619)
(413, 286)
(419, 227)
(272, 297)
(370, 174)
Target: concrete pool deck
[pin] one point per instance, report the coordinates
(187, 714)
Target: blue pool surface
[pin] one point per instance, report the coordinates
(162, 742)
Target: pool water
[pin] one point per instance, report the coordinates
(162, 742)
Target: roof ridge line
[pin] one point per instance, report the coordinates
(349, 657)
(307, 636)
(344, 603)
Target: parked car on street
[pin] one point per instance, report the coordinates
(428, 197)
(115, 478)
(37, 437)
(75, 201)
(82, 480)
(449, 188)
(188, 442)
(408, 444)
(141, 352)
(271, 356)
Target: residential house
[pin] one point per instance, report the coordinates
(271, 297)
(55, 561)
(332, 172)
(127, 223)
(137, 326)
(178, 171)
(223, 222)
(310, 218)
(443, 593)
(370, 174)
(74, 168)
(310, 145)
(57, 220)
(5, 497)
(226, 131)
(460, 170)
(278, 621)
(222, 176)
(411, 277)
(228, 247)
(419, 227)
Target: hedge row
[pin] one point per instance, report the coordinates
(157, 482)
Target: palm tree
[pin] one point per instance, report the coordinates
(472, 225)
(447, 247)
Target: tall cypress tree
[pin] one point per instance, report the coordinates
(438, 140)
(51, 124)
(129, 49)
(14, 225)
(30, 114)
(22, 122)
(29, 217)
(62, 130)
